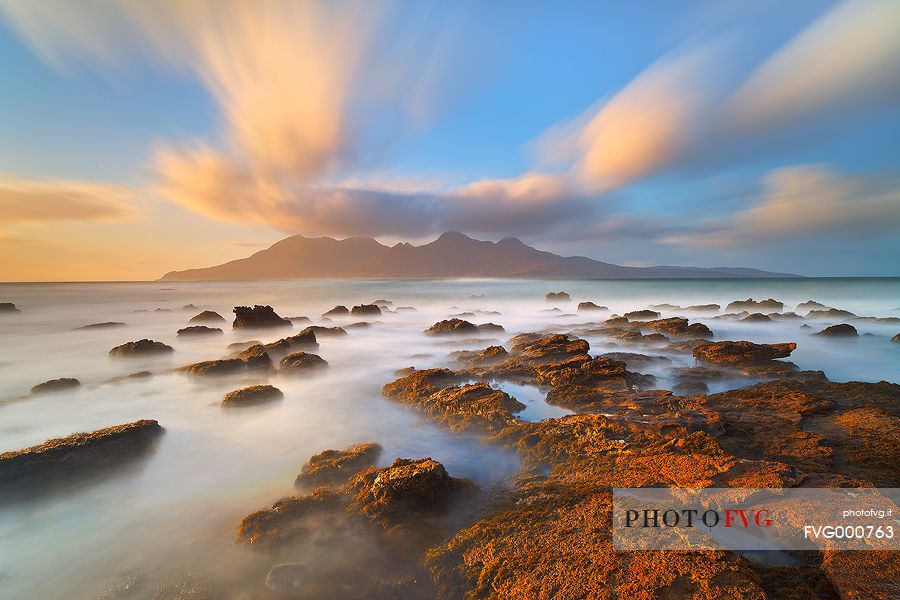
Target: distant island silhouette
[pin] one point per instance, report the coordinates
(452, 255)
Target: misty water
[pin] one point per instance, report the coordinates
(178, 509)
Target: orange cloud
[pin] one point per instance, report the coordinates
(42, 201)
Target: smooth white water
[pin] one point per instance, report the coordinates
(179, 508)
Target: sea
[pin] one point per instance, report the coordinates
(178, 509)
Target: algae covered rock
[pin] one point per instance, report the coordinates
(252, 396)
(331, 467)
(55, 385)
(142, 347)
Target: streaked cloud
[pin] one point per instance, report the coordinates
(805, 202)
(36, 201)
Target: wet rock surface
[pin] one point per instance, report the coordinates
(252, 396)
(216, 368)
(143, 347)
(366, 310)
(557, 297)
(258, 317)
(844, 330)
(453, 326)
(302, 362)
(590, 306)
(55, 385)
(736, 353)
(78, 453)
(333, 467)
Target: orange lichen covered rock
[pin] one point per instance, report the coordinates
(289, 518)
(735, 353)
(331, 467)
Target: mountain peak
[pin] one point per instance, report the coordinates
(452, 235)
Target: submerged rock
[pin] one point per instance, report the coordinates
(78, 452)
(287, 578)
(332, 467)
(104, 325)
(302, 362)
(258, 317)
(641, 315)
(366, 309)
(55, 385)
(338, 311)
(451, 327)
(831, 313)
(751, 304)
(142, 347)
(589, 306)
(557, 297)
(842, 330)
(252, 396)
(896, 339)
(732, 353)
(199, 330)
(8, 307)
(288, 518)
(319, 330)
(207, 316)
(401, 493)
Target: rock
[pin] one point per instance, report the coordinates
(105, 325)
(751, 304)
(382, 302)
(831, 313)
(288, 518)
(406, 309)
(358, 325)
(842, 330)
(615, 321)
(491, 327)
(477, 406)
(199, 330)
(130, 377)
(302, 362)
(757, 318)
(733, 353)
(632, 359)
(811, 305)
(703, 308)
(557, 297)
(318, 331)
(239, 346)
(300, 319)
(688, 388)
(55, 385)
(189, 307)
(338, 311)
(258, 317)
(215, 368)
(306, 339)
(451, 327)
(252, 396)
(401, 493)
(207, 316)
(78, 453)
(287, 578)
(642, 315)
(365, 309)
(142, 347)
(678, 327)
(787, 316)
(332, 467)
(8, 307)
(805, 326)
(896, 339)
(589, 306)
(488, 356)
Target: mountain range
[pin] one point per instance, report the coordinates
(452, 255)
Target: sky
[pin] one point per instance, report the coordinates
(138, 138)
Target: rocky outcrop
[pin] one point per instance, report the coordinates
(104, 325)
(810, 305)
(557, 297)
(401, 493)
(302, 362)
(320, 331)
(289, 518)
(338, 311)
(366, 309)
(258, 317)
(641, 315)
(207, 316)
(678, 327)
(55, 385)
(479, 358)
(306, 340)
(758, 305)
(735, 353)
(252, 396)
(757, 318)
(78, 453)
(143, 347)
(896, 339)
(217, 368)
(842, 330)
(451, 327)
(8, 307)
(590, 306)
(333, 467)
(831, 313)
(195, 330)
